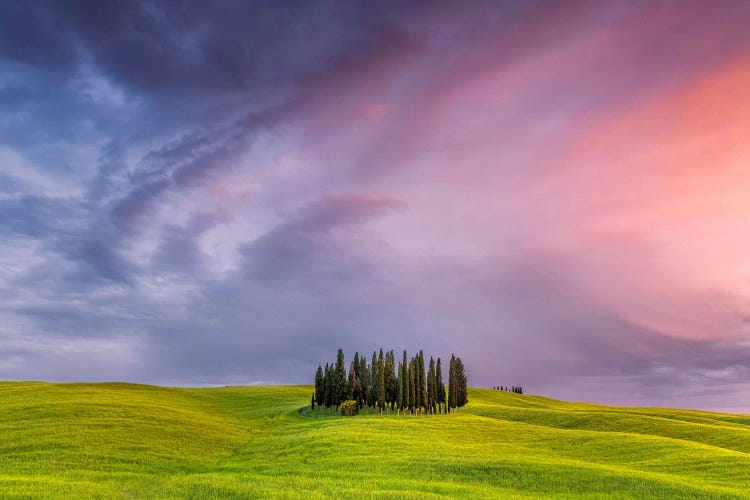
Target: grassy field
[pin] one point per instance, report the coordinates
(123, 440)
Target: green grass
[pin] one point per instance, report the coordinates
(124, 440)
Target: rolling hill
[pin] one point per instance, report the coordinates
(124, 440)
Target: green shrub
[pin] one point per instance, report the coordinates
(349, 407)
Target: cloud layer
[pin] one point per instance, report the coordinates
(225, 194)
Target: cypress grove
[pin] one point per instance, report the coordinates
(411, 387)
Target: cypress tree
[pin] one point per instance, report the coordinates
(440, 385)
(462, 390)
(412, 386)
(392, 381)
(340, 377)
(364, 375)
(328, 383)
(404, 382)
(381, 381)
(351, 383)
(424, 382)
(399, 386)
(422, 389)
(373, 390)
(319, 391)
(415, 369)
(356, 388)
(325, 385)
(431, 387)
(452, 383)
(312, 401)
(421, 392)
(387, 376)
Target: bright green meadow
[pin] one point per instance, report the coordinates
(136, 441)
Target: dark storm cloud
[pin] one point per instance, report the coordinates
(180, 66)
(205, 49)
(36, 34)
(164, 53)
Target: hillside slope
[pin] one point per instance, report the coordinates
(124, 440)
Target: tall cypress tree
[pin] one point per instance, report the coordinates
(461, 389)
(431, 388)
(440, 385)
(319, 391)
(356, 390)
(418, 371)
(387, 374)
(364, 374)
(415, 374)
(392, 381)
(399, 386)
(404, 383)
(422, 389)
(412, 386)
(452, 383)
(328, 385)
(325, 386)
(351, 383)
(381, 381)
(340, 390)
(374, 377)
(424, 381)
(404, 386)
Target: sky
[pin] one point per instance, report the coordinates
(212, 193)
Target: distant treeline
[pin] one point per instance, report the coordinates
(408, 388)
(513, 388)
